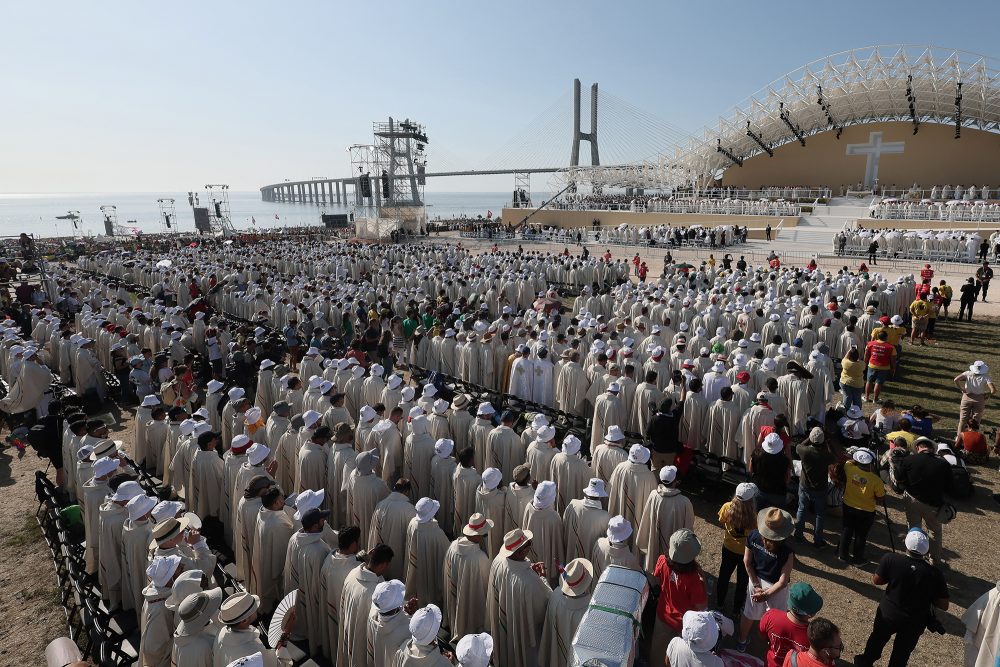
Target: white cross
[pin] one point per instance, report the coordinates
(873, 149)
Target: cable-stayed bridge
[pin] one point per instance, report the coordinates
(624, 142)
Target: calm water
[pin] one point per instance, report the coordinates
(36, 213)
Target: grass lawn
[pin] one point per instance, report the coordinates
(926, 372)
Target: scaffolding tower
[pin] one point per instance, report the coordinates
(219, 213)
(110, 214)
(521, 197)
(168, 216)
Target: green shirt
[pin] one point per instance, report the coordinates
(409, 326)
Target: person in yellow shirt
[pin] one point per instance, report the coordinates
(904, 432)
(861, 490)
(920, 312)
(946, 292)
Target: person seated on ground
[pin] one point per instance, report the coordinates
(904, 433)
(971, 445)
(886, 418)
(921, 421)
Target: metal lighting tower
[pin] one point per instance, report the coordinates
(168, 216)
(219, 213)
(110, 214)
(399, 150)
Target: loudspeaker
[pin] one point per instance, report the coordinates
(218, 209)
(166, 219)
(421, 178)
(385, 185)
(333, 220)
(365, 183)
(109, 229)
(201, 222)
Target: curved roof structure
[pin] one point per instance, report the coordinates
(917, 84)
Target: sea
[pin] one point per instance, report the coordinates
(37, 213)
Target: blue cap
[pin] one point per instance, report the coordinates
(507, 416)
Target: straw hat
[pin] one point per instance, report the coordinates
(167, 530)
(577, 577)
(237, 608)
(478, 525)
(514, 540)
(196, 611)
(775, 524)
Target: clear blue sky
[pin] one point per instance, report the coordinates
(141, 96)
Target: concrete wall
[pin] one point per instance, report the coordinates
(559, 218)
(931, 157)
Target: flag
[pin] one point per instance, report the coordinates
(489, 214)
(253, 220)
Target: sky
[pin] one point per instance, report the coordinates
(144, 97)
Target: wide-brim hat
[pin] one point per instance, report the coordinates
(774, 523)
(460, 402)
(167, 530)
(577, 578)
(199, 610)
(514, 540)
(106, 448)
(478, 525)
(237, 608)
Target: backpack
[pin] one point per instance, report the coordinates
(961, 483)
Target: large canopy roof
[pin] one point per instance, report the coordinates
(918, 84)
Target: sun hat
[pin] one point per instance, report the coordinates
(187, 583)
(545, 433)
(746, 490)
(429, 390)
(684, 546)
(241, 442)
(127, 491)
(485, 410)
(407, 394)
(475, 650)
(426, 509)
(614, 434)
(162, 568)
(514, 540)
(140, 506)
(863, 456)
(237, 608)
(104, 467)
(108, 448)
(539, 420)
(389, 595)
(816, 435)
(576, 578)
(306, 501)
(236, 393)
(443, 447)
(425, 624)
(545, 494)
(979, 367)
(310, 417)
(595, 488)
(150, 400)
(804, 600)
(917, 542)
(367, 413)
(167, 530)
(460, 401)
(619, 529)
(668, 474)
(478, 525)
(440, 406)
(213, 386)
(197, 610)
(491, 478)
(166, 509)
(638, 454)
(773, 444)
(258, 453)
(700, 630)
(774, 524)
(855, 412)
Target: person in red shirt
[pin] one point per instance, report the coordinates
(926, 273)
(643, 270)
(971, 444)
(880, 356)
(825, 646)
(607, 256)
(636, 262)
(787, 631)
(682, 588)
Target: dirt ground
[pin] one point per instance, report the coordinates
(33, 616)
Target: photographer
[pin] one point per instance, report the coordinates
(912, 586)
(925, 478)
